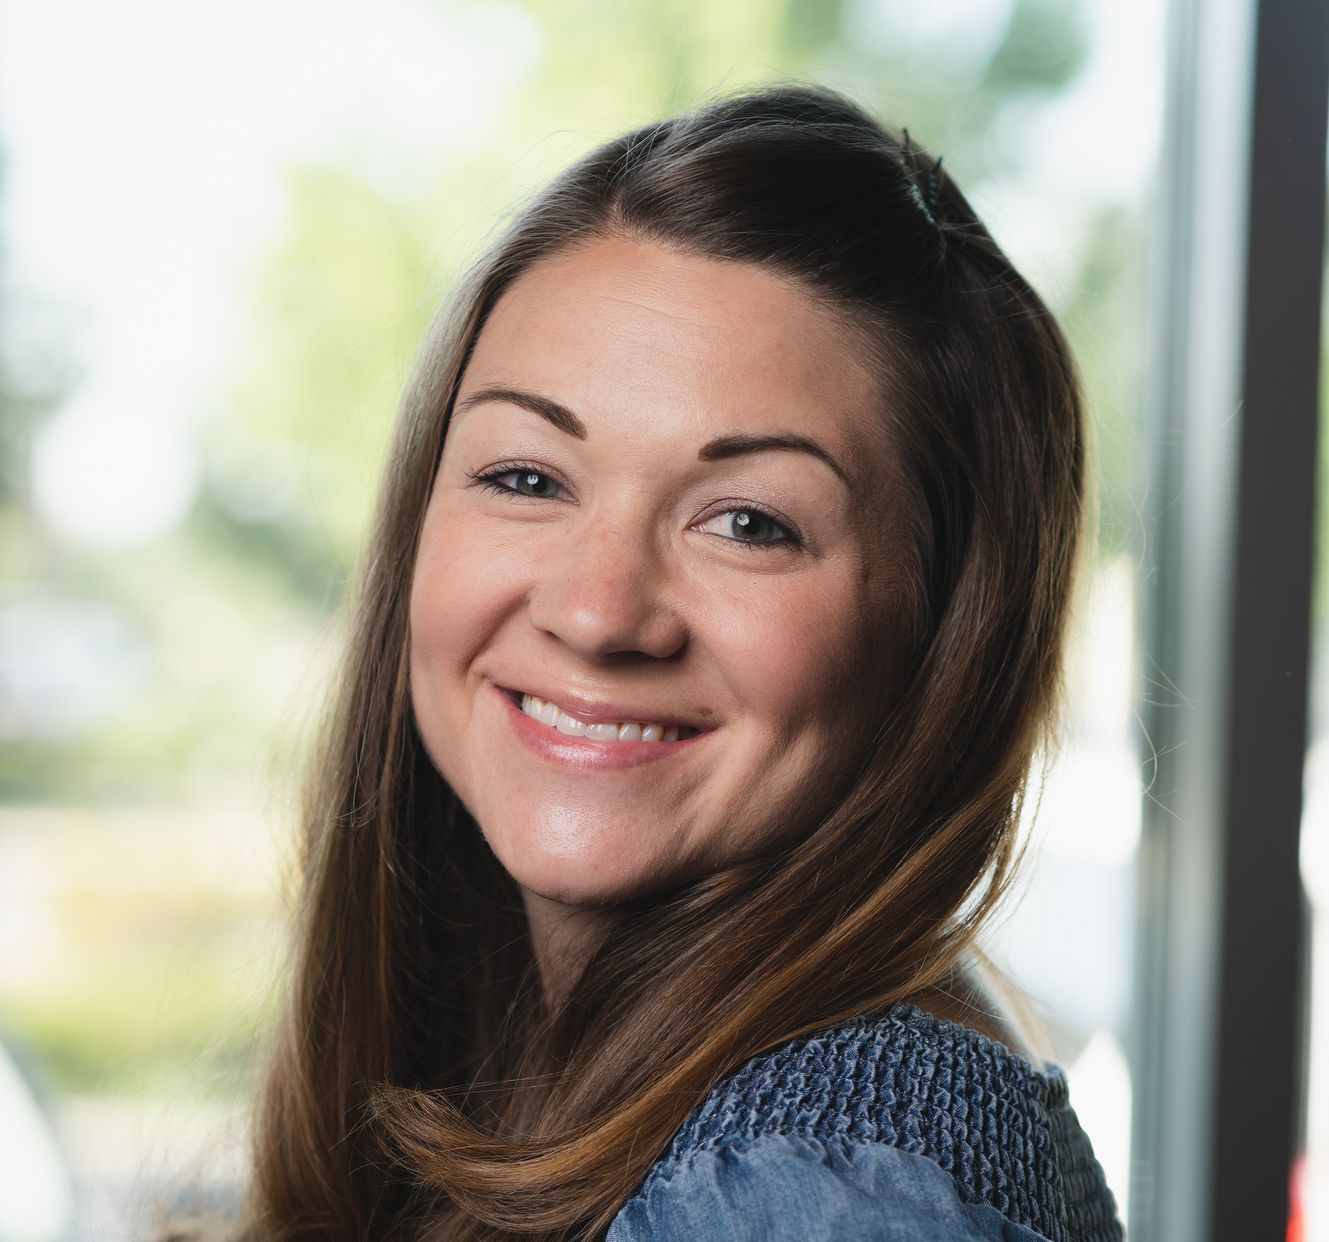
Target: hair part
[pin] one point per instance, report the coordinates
(416, 1079)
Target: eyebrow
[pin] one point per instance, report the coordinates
(546, 407)
(719, 449)
(737, 445)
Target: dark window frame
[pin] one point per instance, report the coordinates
(1217, 1047)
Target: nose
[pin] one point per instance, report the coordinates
(603, 591)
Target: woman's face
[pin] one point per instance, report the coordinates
(663, 509)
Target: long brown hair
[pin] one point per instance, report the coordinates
(417, 1086)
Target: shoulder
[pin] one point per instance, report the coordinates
(862, 1124)
(778, 1188)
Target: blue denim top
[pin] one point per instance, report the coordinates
(892, 1127)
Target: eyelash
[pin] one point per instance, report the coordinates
(488, 479)
(789, 538)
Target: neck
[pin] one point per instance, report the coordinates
(563, 938)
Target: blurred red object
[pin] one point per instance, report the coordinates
(1296, 1219)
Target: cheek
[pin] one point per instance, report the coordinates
(463, 591)
(462, 588)
(803, 658)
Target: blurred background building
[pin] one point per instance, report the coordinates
(223, 232)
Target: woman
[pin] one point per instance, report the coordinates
(712, 617)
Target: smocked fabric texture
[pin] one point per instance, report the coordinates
(882, 1127)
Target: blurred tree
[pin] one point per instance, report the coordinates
(38, 371)
(340, 306)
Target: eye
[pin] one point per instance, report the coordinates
(753, 528)
(520, 481)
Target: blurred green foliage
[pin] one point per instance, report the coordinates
(136, 1023)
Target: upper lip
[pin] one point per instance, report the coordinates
(601, 711)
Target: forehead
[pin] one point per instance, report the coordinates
(652, 340)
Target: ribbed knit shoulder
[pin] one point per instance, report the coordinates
(1004, 1131)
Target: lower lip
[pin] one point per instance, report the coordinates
(590, 754)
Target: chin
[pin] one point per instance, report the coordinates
(576, 865)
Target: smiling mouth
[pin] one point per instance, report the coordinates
(558, 720)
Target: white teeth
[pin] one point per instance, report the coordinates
(570, 724)
(545, 713)
(605, 731)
